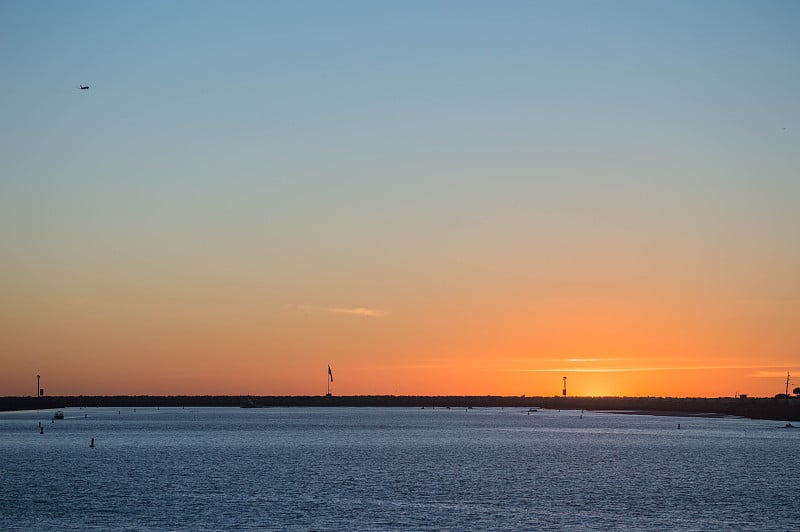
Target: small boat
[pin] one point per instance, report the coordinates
(249, 403)
(58, 415)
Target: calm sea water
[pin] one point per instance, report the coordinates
(394, 469)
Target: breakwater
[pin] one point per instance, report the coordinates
(755, 408)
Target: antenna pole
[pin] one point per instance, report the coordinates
(787, 384)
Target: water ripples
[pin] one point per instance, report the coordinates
(394, 469)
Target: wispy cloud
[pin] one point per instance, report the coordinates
(585, 360)
(358, 311)
(769, 374)
(350, 311)
(760, 373)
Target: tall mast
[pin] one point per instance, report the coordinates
(787, 384)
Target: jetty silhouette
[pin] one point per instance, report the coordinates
(775, 408)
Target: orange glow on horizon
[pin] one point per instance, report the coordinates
(439, 340)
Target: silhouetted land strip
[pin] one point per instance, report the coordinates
(755, 408)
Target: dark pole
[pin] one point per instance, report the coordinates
(37, 385)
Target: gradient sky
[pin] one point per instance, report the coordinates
(431, 197)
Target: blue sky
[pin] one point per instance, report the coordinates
(331, 146)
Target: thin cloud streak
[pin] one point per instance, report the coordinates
(363, 312)
(768, 374)
(583, 360)
(646, 369)
(358, 311)
(578, 359)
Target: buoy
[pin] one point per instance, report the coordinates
(41, 430)
(679, 426)
(92, 444)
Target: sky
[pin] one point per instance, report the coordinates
(434, 198)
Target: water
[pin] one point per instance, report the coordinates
(394, 469)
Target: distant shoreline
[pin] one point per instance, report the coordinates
(754, 408)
